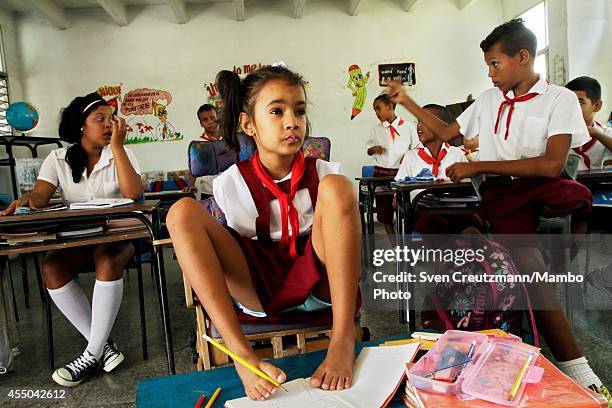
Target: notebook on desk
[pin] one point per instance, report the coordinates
(101, 203)
(378, 373)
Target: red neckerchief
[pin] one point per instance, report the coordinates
(288, 212)
(207, 138)
(511, 102)
(427, 158)
(393, 130)
(582, 150)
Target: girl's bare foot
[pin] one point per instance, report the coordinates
(256, 387)
(336, 371)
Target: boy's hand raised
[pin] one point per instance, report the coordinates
(397, 92)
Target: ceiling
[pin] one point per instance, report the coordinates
(55, 10)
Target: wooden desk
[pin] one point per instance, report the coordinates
(138, 210)
(405, 212)
(597, 179)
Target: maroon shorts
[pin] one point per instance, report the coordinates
(384, 203)
(281, 282)
(514, 207)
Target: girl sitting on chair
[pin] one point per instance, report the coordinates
(293, 235)
(95, 165)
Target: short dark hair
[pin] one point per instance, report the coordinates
(384, 98)
(589, 85)
(513, 36)
(207, 107)
(440, 112)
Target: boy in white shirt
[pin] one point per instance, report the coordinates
(431, 152)
(526, 127)
(388, 143)
(598, 149)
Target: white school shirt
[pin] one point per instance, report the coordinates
(394, 149)
(234, 198)
(598, 153)
(554, 111)
(413, 163)
(101, 183)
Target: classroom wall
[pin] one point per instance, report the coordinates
(8, 29)
(590, 46)
(154, 51)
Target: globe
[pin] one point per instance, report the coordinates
(22, 116)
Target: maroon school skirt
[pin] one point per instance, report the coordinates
(514, 207)
(384, 203)
(282, 282)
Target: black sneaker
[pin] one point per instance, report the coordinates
(72, 374)
(111, 357)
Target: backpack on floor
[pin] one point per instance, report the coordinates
(474, 306)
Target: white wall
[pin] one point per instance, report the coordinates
(590, 45)
(12, 62)
(153, 51)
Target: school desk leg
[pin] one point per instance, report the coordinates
(159, 259)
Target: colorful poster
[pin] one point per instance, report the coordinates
(402, 72)
(112, 95)
(151, 104)
(357, 84)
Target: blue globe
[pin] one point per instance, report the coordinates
(22, 116)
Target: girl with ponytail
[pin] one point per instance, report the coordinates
(95, 165)
(292, 245)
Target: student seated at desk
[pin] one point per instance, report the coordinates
(431, 152)
(293, 235)
(435, 155)
(599, 147)
(95, 165)
(207, 115)
(388, 143)
(526, 128)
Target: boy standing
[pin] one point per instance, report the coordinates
(526, 129)
(388, 142)
(595, 151)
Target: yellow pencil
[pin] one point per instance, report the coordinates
(248, 365)
(212, 399)
(519, 379)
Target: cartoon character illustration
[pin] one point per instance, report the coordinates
(357, 84)
(165, 130)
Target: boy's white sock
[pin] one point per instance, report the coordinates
(580, 371)
(72, 302)
(105, 305)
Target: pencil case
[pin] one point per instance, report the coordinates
(490, 372)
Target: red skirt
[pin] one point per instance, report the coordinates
(514, 207)
(282, 282)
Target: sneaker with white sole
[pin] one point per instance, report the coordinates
(72, 374)
(111, 357)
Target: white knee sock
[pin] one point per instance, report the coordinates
(580, 371)
(105, 305)
(72, 302)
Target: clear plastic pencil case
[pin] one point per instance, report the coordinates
(474, 365)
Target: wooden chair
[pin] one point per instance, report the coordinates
(269, 340)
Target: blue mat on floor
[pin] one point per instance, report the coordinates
(183, 390)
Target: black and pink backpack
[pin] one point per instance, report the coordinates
(474, 306)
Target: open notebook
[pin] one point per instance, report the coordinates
(378, 373)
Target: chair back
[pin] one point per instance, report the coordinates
(211, 158)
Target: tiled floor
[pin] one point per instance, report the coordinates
(119, 387)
